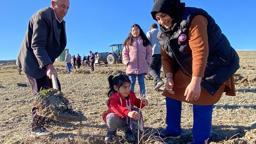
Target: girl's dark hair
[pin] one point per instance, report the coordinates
(129, 39)
(117, 79)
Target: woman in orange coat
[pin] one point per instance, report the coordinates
(198, 63)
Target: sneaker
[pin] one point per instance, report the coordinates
(129, 136)
(109, 138)
(164, 134)
(40, 131)
(158, 85)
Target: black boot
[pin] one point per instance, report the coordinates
(109, 138)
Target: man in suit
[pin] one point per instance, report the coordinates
(43, 43)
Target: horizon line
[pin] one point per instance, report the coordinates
(238, 50)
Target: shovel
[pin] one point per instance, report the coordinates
(55, 82)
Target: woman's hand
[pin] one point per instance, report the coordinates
(134, 115)
(169, 83)
(193, 90)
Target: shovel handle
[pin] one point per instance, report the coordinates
(55, 82)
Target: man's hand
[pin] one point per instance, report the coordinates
(50, 71)
(193, 90)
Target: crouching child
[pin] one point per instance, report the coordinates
(123, 109)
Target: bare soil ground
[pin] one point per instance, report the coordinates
(234, 118)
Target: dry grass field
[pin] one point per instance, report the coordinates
(234, 118)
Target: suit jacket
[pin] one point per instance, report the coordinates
(43, 43)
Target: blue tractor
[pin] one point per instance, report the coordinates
(113, 57)
(116, 55)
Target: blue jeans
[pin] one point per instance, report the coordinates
(141, 81)
(68, 67)
(202, 115)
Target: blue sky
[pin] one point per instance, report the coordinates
(95, 24)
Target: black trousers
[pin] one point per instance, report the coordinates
(155, 67)
(45, 83)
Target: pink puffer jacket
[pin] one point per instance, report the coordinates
(137, 57)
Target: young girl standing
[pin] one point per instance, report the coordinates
(136, 56)
(123, 108)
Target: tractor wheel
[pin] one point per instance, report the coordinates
(111, 59)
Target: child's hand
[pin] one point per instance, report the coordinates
(144, 101)
(134, 115)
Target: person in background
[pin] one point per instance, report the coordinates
(88, 60)
(84, 61)
(155, 66)
(78, 61)
(198, 62)
(136, 55)
(97, 57)
(74, 61)
(92, 60)
(68, 62)
(44, 41)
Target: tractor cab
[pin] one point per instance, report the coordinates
(117, 48)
